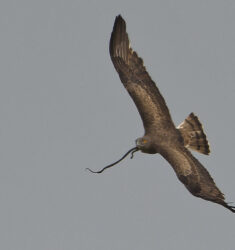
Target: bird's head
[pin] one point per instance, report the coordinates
(145, 145)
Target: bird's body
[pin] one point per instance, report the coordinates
(161, 135)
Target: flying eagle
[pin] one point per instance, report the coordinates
(161, 136)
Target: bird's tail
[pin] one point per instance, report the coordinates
(193, 134)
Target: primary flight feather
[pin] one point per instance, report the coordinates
(161, 135)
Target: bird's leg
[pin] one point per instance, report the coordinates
(132, 151)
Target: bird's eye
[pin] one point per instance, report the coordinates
(144, 141)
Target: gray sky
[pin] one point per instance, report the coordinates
(63, 108)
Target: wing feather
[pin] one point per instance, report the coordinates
(193, 175)
(150, 103)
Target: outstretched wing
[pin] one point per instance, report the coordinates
(135, 78)
(193, 175)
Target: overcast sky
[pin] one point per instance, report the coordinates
(63, 108)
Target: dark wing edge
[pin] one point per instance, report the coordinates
(150, 103)
(194, 176)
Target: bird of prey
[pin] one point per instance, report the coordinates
(161, 136)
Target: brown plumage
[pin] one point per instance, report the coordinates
(161, 135)
(193, 134)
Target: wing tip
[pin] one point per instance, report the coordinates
(119, 42)
(119, 18)
(231, 208)
(119, 22)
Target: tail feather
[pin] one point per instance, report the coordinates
(193, 134)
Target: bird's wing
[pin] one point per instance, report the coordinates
(193, 175)
(135, 78)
